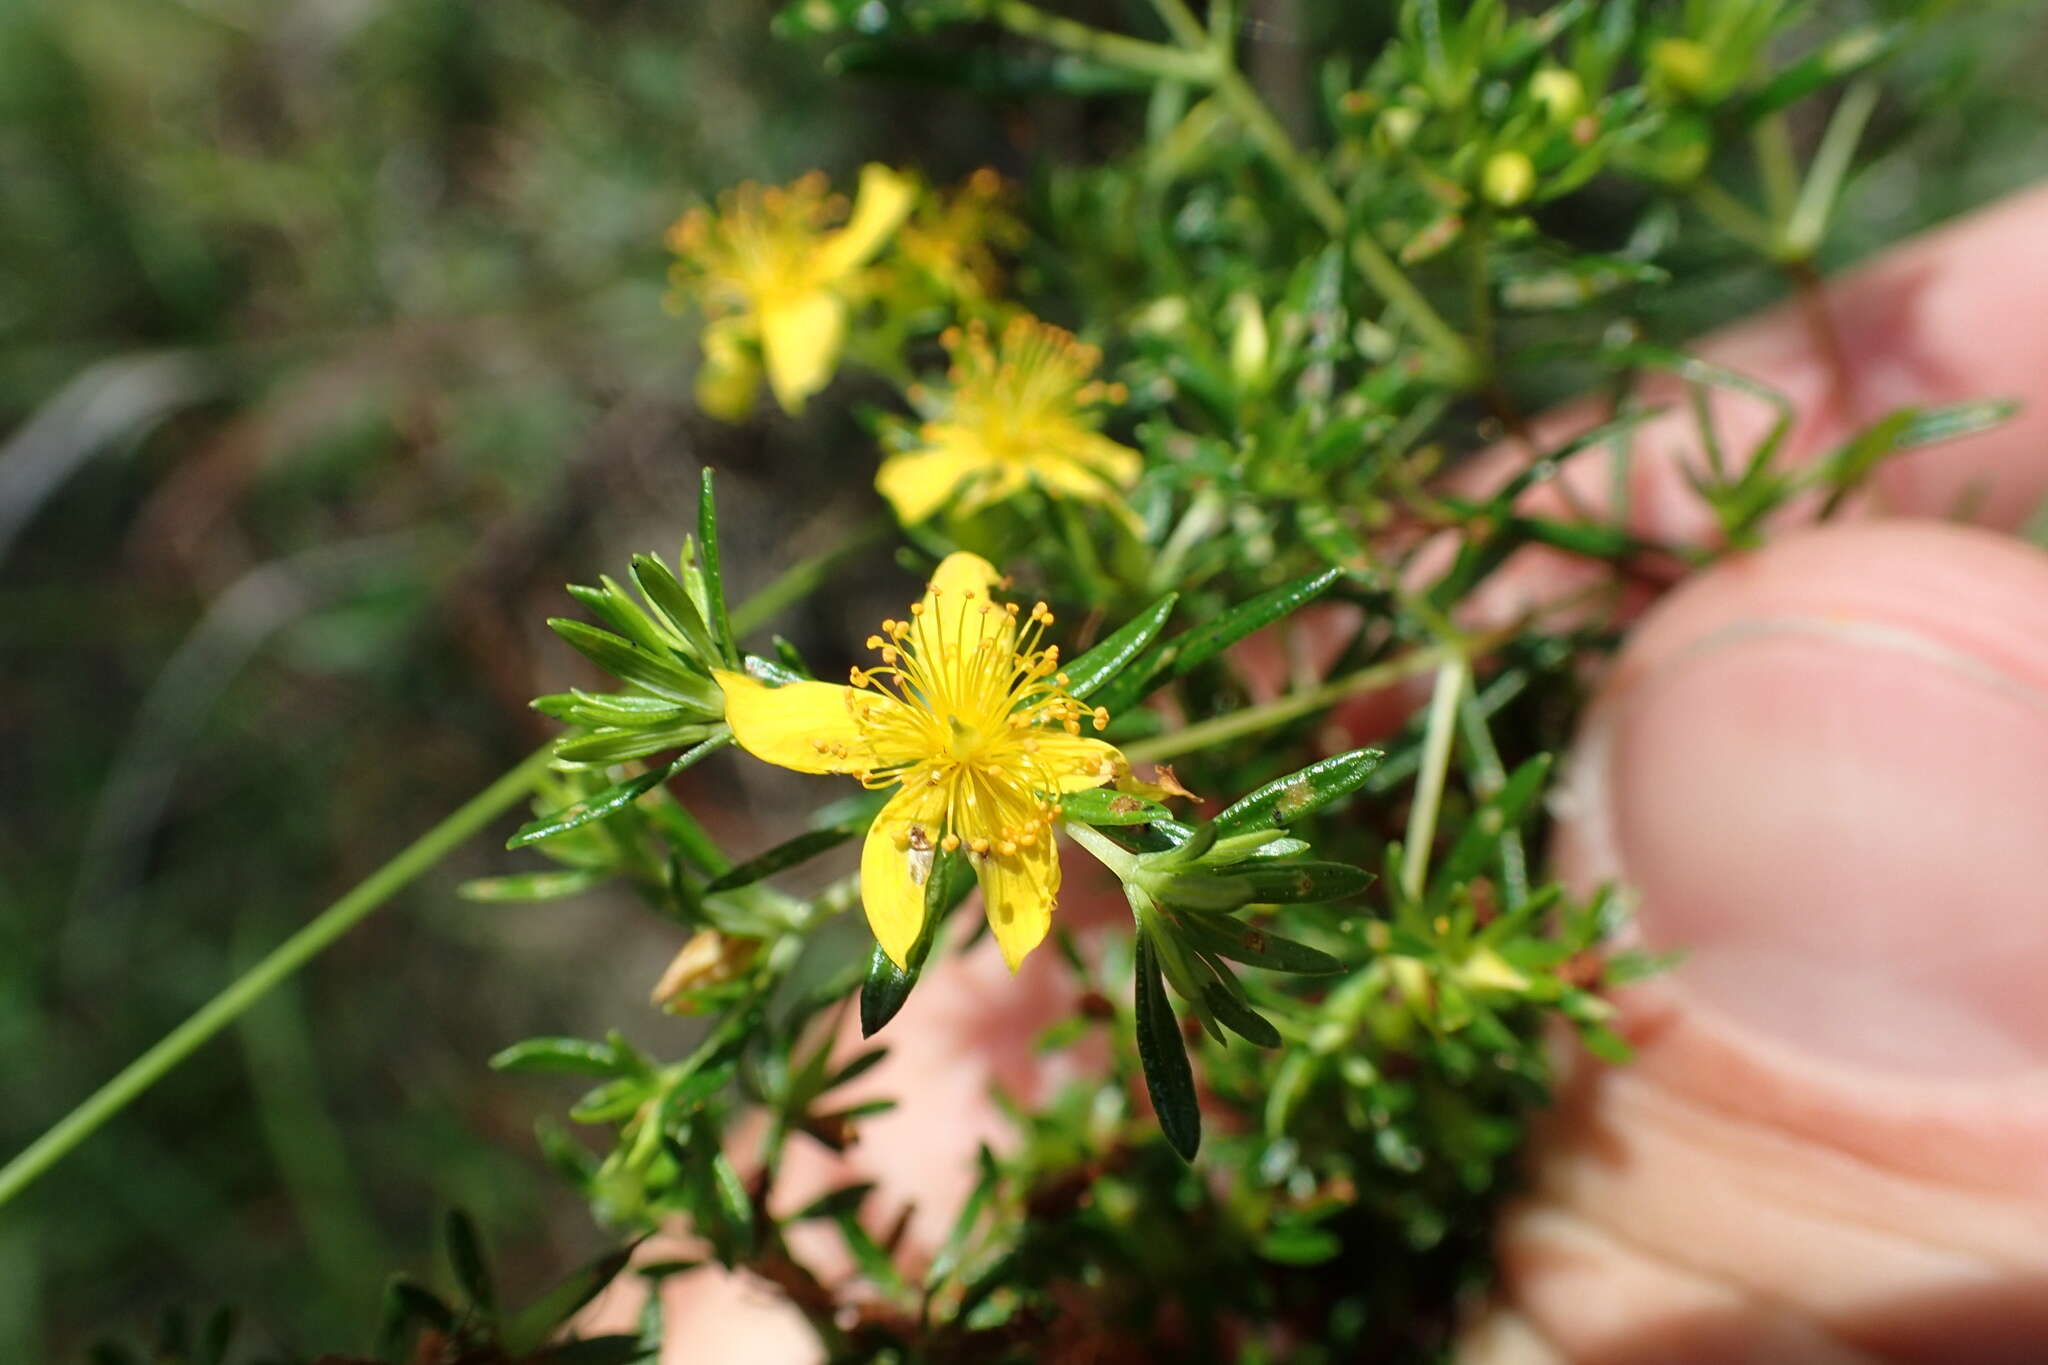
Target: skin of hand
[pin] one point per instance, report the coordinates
(1823, 767)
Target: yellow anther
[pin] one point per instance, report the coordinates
(950, 842)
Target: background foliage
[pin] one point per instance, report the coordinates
(331, 344)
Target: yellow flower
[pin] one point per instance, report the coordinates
(776, 280)
(953, 238)
(1014, 414)
(967, 716)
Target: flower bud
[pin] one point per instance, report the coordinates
(1687, 67)
(1249, 344)
(1487, 970)
(1507, 178)
(1559, 92)
(1397, 126)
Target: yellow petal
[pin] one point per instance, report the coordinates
(730, 375)
(1077, 762)
(963, 572)
(1072, 479)
(917, 483)
(808, 726)
(1004, 480)
(800, 339)
(1118, 463)
(968, 623)
(895, 863)
(881, 204)
(1018, 893)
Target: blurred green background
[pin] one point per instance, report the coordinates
(331, 344)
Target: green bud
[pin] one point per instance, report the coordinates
(1250, 347)
(1507, 178)
(1559, 92)
(1682, 64)
(1397, 127)
(1487, 970)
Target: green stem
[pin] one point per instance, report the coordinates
(1777, 166)
(175, 1046)
(1253, 719)
(1180, 21)
(1831, 161)
(1113, 49)
(1440, 730)
(1372, 260)
(1200, 60)
(1734, 217)
(1104, 852)
(1490, 776)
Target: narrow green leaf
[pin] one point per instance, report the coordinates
(616, 745)
(620, 708)
(1108, 806)
(1299, 795)
(574, 1056)
(714, 579)
(773, 672)
(873, 1261)
(466, 1256)
(1237, 1016)
(1169, 1080)
(1951, 421)
(1288, 882)
(1189, 844)
(1107, 659)
(533, 886)
(545, 1316)
(1845, 55)
(1505, 810)
(801, 849)
(955, 1247)
(611, 1101)
(628, 662)
(1273, 842)
(665, 592)
(1299, 1244)
(732, 1196)
(1223, 936)
(831, 1204)
(887, 985)
(1192, 648)
(1200, 889)
(1327, 534)
(613, 798)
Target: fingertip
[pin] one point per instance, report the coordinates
(1822, 769)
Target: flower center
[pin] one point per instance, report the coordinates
(975, 692)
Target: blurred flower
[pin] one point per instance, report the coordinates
(1015, 413)
(969, 719)
(775, 280)
(952, 238)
